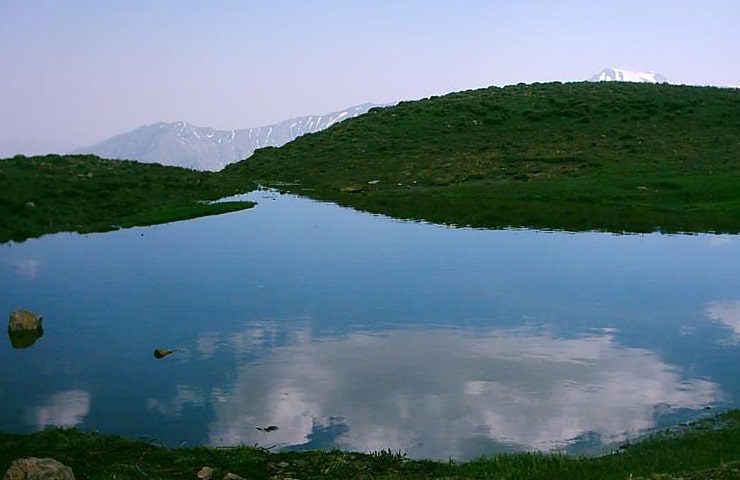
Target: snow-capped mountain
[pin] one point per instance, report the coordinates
(203, 148)
(620, 75)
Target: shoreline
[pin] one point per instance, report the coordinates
(708, 448)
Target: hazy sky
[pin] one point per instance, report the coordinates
(75, 72)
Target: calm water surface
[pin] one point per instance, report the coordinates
(356, 331)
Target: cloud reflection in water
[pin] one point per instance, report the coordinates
(64, 409)
(439, 393)
(727, 313)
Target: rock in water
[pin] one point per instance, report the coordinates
(163, 352)
(22, 320)
(38, 469)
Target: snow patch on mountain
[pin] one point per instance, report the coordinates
(203, 148)
(621, 75)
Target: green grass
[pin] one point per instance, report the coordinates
(84, 193)
(577, 156)
(707, 449)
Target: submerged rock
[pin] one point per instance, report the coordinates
(38, 469)
(23, 320)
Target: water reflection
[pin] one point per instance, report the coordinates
(727, 313)
(354, 354)
(436, 393)
(25, 338)
(720, 240)
(64, 409)
(185, 396)
(206, 344)
(24, 267)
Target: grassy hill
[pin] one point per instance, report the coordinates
(85, 193)
(578, 156)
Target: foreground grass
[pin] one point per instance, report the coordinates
(579, 156)
(707, 449)
(84, 193)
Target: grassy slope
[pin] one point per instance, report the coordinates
(578, 156)
(612, 156)
(711, 447)
(84, 193)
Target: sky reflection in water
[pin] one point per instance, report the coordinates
(361, 332)
(453, 391)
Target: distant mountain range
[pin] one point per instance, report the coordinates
(204, 148)
(620, 75)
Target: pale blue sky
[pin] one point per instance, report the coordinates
(75, 72)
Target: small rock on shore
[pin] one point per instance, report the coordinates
(205, 473)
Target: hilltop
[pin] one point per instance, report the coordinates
(579, 156)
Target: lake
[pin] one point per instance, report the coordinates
(357, 331)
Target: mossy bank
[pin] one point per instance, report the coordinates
(84, 193)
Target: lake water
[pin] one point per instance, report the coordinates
(345, 329)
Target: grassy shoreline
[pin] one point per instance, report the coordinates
(708, 449)
(607, 156)
(84, 193)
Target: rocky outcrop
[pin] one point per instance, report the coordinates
(38, 469)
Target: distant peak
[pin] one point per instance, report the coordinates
(613, 74)
(184, 144)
